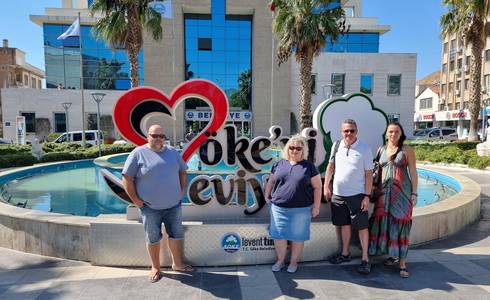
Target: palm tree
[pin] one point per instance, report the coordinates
(302, 26)
(468, 19)
(122, 24)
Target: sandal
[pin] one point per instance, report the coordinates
(390, 261)
(184, 268)
(155, 277)
(404, 273)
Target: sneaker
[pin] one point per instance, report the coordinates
(364, 267)
(292, 269)
(277, 267)
(338, 259)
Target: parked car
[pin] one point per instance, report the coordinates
(436, 134)
(3, 141)
(76, 137)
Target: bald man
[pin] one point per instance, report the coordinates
(155, 178)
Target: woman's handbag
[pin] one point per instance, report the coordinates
(377, 170)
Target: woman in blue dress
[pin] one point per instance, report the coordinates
(293, 192)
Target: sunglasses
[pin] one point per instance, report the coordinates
(295, 148)
(349, 130)
(160, 136)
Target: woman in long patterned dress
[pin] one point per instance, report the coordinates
(396, 196)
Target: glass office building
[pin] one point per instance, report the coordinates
(104, 67)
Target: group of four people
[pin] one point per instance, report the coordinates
(154, 177)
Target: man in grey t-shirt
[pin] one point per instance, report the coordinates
(155, 178)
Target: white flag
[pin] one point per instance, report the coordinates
(73, 30)
(162, 7)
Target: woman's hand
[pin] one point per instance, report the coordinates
(315, 211)
(413, 198)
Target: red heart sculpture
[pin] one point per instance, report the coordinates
(127, 114)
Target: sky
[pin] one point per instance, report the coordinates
(414, 28)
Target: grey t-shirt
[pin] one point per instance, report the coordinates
(156, 175)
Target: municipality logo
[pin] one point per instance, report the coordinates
(231, 242)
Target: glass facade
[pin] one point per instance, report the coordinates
(218, 47)
(362, 42)
(394, 85)
(366, 84)
(103, 67)
(59, 122)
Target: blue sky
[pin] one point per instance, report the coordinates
(414, 28)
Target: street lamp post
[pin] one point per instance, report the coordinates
(98, 98)
(485, 102)
(66, 106)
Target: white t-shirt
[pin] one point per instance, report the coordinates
(350, 166)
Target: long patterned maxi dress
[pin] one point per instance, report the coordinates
(391, 220)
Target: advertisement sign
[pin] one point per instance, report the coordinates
(206, 115)
(20, 129)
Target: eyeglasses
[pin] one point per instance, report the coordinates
(295, 148)
(160, 136)
(349, 130)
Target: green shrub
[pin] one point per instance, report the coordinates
(13, 149)
(17, 160)
(53, 136)
(479, 162)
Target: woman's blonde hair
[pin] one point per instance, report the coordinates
(295, 139)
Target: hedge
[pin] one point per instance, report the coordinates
(19, 156)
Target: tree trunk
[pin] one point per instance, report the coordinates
(306, 61)
(133, 45)
(475, 79)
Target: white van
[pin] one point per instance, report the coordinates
(437, 134)
(76, 137)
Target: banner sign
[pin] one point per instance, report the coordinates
(20, 129)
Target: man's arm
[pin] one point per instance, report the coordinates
(183, 182)
(368, 174)
(326, 185)
(130, 188)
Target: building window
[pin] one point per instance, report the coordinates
(444, 48)
(450, 106)
(442, 106)
(33, 82)
(204, 44)
(59, 122)
(443, 90)
(487, 55)
(450, 87)
(451, 66)
(313, 84)
(366, 84)
(26, 80)
(453, 45)
(30, 121)
(18, 78)
(361, 42)
(425, 103)
(460, 63)
(349, 11)
(458, 85)
(338, 80)
(444, 67)
(39, 84)
(91, 121)
(465, 105)
(395, 117)
(394, 85)
(466, 82)
(468, 60)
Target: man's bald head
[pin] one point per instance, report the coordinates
(155, 129)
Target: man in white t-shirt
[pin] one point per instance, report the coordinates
(352, 165)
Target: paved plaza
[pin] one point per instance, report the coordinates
(454, 268)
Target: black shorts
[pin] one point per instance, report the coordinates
(349, 212)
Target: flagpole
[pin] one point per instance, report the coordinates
(173, 74)
(272, 72)
(81, 81)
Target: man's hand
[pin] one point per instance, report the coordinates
(327, 193)
(365, 203)
(138, 202)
